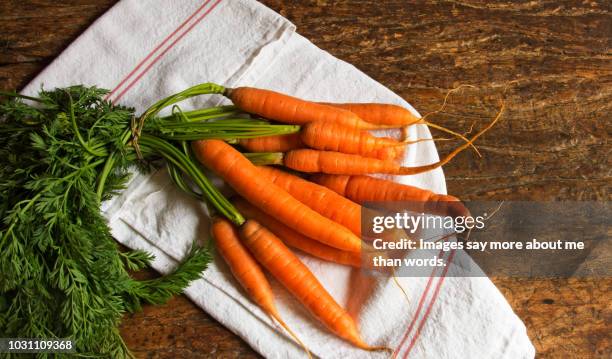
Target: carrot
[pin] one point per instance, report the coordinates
(368, 189)
(297, 240)
(280, 143)
(393, 116)
(330, 136)
(315, 161)
(311, 161)
(329, 204)
(244, 178)
(246, 270)
(299, 280)
(288, 109)
(324, 201)
(283, 143)
(380, 114)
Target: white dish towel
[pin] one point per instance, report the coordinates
(146, 50)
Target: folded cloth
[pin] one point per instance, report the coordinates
(146, 50)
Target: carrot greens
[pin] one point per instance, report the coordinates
(62, 153)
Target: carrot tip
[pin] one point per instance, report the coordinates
(377, 348)
(291, 333)
(359, 343)
(398, 284)
(444, 129)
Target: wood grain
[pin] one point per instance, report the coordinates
(549, 60)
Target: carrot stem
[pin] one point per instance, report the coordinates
(206, 113)
(187, 165)
(226, 129)
(265, 158)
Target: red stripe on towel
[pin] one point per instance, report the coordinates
(431, 303)
(418, 309)
(158, 57)
(127, 77)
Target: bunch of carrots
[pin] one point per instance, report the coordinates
(318, 209)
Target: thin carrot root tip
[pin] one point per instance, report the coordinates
(377, 348)
(292, 334)
(444, 129)
(397, 283)
(408, 141)
(451, 132)
(450, 156)
(358, 342)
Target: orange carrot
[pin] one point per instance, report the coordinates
(280, 143)
(299, 280)
(297, 240)
(328, 203)
(329, 136)
(244, 178)
(389, 115)
(315, 161)
(246, 270)
(312, 161)
(283, 143)
(368, 189)
(324, 201)
(380, 114)
(288, 109)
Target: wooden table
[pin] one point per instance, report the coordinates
(551, 145)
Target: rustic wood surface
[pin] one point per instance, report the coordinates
(550, 60)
